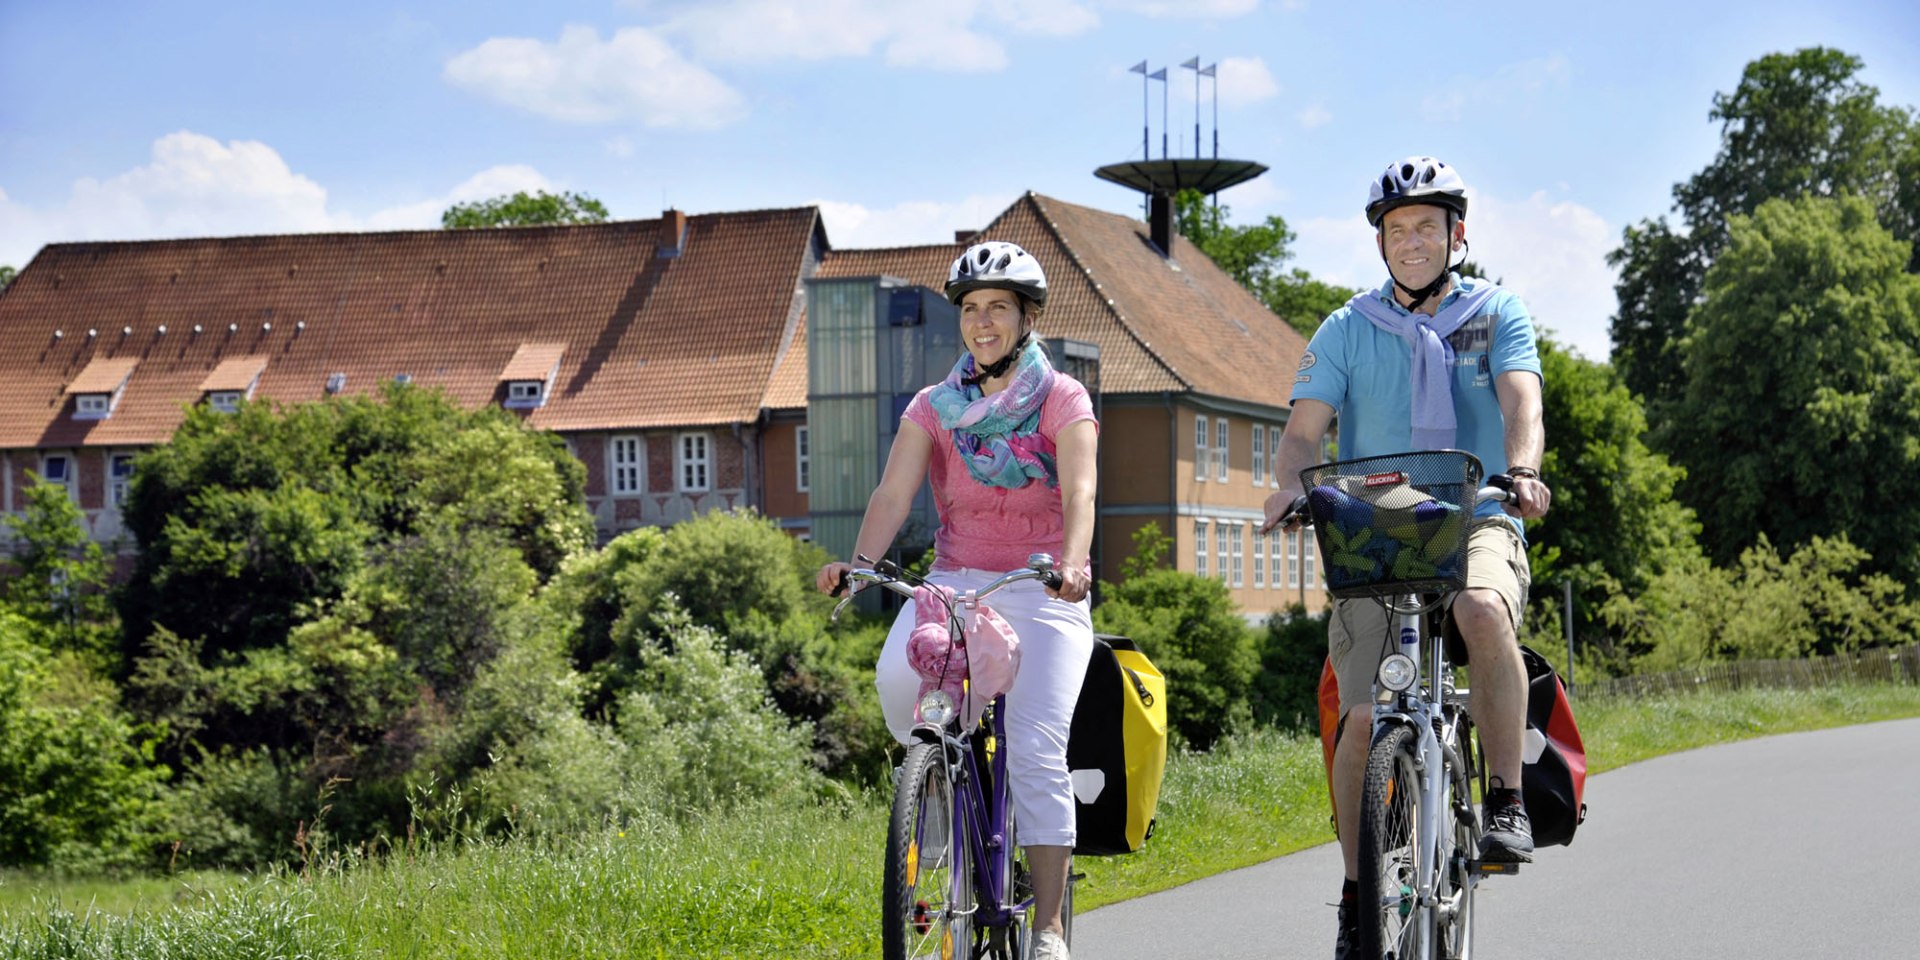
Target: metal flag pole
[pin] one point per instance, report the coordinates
(1161, 75)
(1146, 151)
(1213, 72)
(1194, 65)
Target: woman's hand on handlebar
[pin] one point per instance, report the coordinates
(1074, 584)
(832, 578)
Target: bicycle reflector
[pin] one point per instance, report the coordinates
(1397, 672)
(936, 707)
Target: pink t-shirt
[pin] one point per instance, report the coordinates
(995, 528)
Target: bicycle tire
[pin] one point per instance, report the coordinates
(927, 895)
(1454, 931)
(1393, 926)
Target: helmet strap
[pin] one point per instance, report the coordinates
(999, 367)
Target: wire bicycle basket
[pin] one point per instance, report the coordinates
(1394, 524)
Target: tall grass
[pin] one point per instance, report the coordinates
(778, 879)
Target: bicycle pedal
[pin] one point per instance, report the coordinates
(1488, 868)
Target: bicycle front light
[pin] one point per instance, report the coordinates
(1397, 672)
(936, 708)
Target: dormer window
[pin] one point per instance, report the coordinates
(96, 391)
(529, 375)
(92, 406)
(525, 393)
(231, 382)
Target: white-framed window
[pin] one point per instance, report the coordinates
(1260, 560)
(1200, 550)
(526, 393)
(1309, 564)
(57, 468)
(1200, 456)
(629, 459)
(1293, 559)
(92, 406)
(692, 456)
(225, 401)
(803, 459)
(1273, 452)
(119, 475)
(1259, 455)
(1220, 449)
(1239, 549)
(1221, 530)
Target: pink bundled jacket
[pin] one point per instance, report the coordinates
(988, 654)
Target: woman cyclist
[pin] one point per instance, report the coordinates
(1009, 444)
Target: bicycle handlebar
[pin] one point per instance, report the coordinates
(888, 574)
(1499, 488)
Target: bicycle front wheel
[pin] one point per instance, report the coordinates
(1393, 925)
(927, 895)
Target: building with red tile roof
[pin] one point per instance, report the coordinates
(673, 355)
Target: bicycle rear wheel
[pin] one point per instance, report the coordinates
(1455, 924)
(1393, 926)
(927, 893)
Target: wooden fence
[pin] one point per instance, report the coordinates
(1897, 665)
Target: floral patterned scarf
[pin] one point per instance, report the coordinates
(998, 436)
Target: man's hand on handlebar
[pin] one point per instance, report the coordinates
(1284, 510)
(1530, 498)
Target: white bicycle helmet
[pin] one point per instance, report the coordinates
(1416, 180)
(999, 265)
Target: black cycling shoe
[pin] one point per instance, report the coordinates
(1509, 836)
(1349, 939)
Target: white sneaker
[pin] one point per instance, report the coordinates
(1049, 946)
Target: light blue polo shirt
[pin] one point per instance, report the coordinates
(1365, 374)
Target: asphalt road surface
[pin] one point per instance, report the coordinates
(1798, 845)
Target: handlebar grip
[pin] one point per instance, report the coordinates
(1052, 579)
(840, 585)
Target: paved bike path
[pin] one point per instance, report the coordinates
(1797, 845)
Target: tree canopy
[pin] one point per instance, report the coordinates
(523, 209)
(1799, 122)
(1254, 256)
(1801, 416)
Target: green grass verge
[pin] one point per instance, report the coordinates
(766, 881)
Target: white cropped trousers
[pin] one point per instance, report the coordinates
(1056, 641)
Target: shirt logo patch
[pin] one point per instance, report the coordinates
(1303, 378)
(1308, 359)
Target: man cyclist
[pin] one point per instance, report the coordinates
(1010, 446)
(1429, 360)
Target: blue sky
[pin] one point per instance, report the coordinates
(903, 119)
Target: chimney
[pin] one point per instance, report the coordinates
(673, 233)
(962, 236)
(1160, 220)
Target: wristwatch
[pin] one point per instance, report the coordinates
(1525, 472)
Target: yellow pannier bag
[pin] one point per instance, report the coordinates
(1117, 751)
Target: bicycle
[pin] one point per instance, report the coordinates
(1419, 829)
(956, 885)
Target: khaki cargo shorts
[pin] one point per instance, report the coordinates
(1359, 633)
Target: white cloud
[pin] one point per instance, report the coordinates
(621, 147)
(956, 35)
(1193, 9)
(197, 186)
(851, 225)
(1315, 116)
(1551, 253)
(579, 78)
(1245, 80)
(1508, 87)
